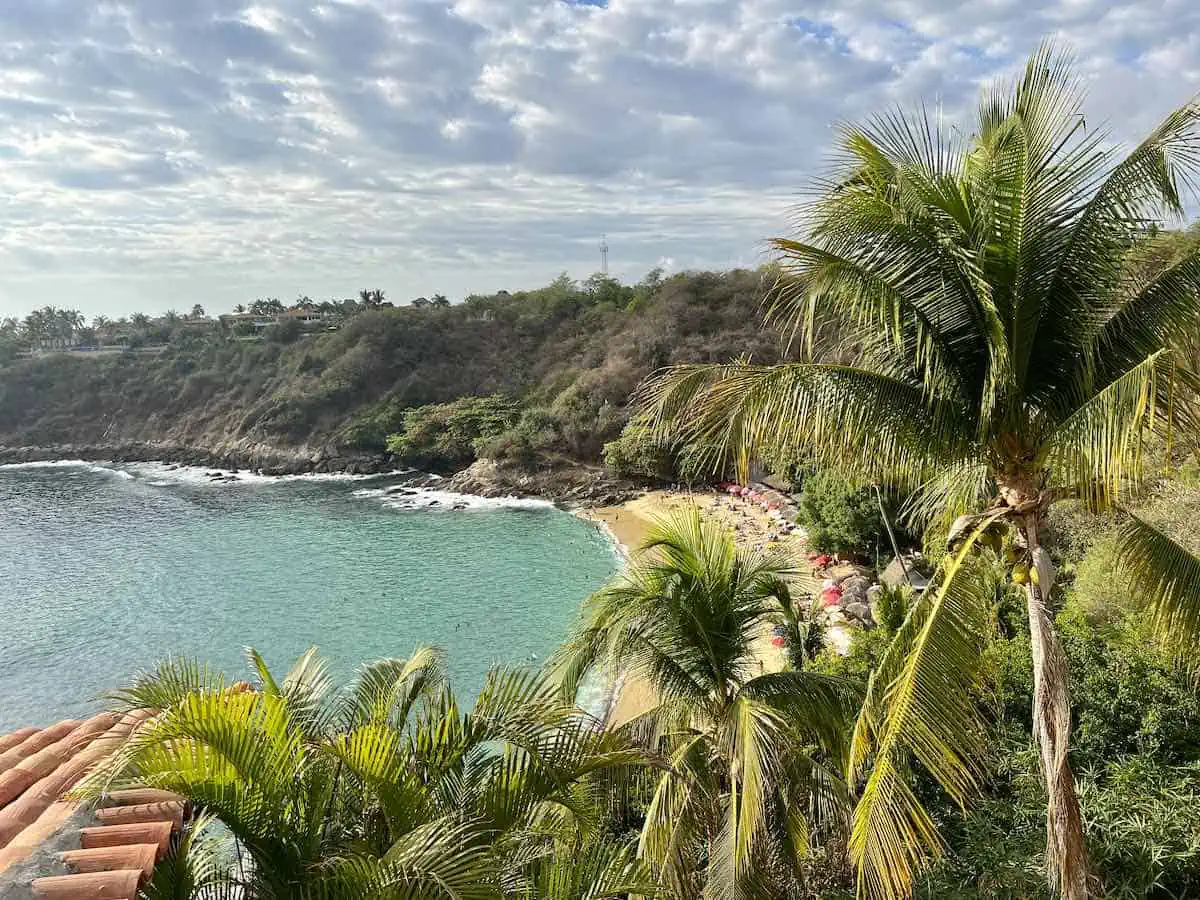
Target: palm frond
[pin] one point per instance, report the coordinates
(169, 682)
(881, 428)
(1087, 285)
(1166, 577)
(197, 865)
(601, 870)
(442, 860)
(918, 706)
(1098, 446)
(387, 689)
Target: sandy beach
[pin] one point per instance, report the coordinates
(752, 527)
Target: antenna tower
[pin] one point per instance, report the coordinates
(604, 255)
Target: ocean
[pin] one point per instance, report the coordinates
(106, 569)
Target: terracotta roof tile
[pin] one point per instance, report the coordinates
(119, 885)
(109, 860)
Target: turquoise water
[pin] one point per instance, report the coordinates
(103, 571)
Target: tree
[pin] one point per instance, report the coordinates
(371, 299)
(421, 303)
(1010, 356)
(750, 753)
(197, 312)
(839, 517)
(386, 790)
(171, 317)
(269, 307)
(139, 320)
(439, 301)
(240, 309)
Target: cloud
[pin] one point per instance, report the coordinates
(158, 153)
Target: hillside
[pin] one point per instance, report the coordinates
(570, 354)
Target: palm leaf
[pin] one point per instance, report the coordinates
(1097, 447)
(1166, 578)
(881, 428)
(918, 706)
(170, 681)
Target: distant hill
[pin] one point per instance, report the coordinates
(570, 352)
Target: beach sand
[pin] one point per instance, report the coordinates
(629, 524)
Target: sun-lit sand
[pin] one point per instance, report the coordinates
(752, 528)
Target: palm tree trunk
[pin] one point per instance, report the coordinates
(1066, 852)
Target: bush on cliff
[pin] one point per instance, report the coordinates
(445, 436)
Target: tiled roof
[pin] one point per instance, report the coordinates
(55, 849)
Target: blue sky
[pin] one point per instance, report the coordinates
(160, 153)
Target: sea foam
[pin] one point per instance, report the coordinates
(402, 497)
(104, 469)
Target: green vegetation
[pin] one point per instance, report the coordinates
(568, 355)
(1014, 346)
(749, 752)
(445, 436)
(1021, 358)
(838, 517)
(728, 785)
(386, 790)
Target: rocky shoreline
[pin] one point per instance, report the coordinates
(570, 485)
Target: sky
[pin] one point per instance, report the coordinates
(155, 154)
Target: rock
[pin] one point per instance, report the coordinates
(854, 589)
(860, 612)
(893, 575)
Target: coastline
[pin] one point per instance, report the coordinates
(568, 484)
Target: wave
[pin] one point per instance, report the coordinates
(161, 474)
(99, 468)
(402, 497)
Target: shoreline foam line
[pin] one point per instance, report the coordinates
(403, 497)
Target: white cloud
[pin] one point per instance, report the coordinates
(164, 152)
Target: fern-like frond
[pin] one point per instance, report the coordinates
(878, 427)
(170, 681)
(1096, 448)
(1166, 578)
(387, 689)
(919, 707)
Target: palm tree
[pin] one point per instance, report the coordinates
(139, 320)
(1011, 355)
(371, 299)
(240, 308)
(197, 312)
(753, 756)
(386, 790)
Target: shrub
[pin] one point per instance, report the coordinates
(444, 436)
(636, 454)
(838, 517)
(534, 435)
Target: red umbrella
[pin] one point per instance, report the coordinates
(778, 641)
